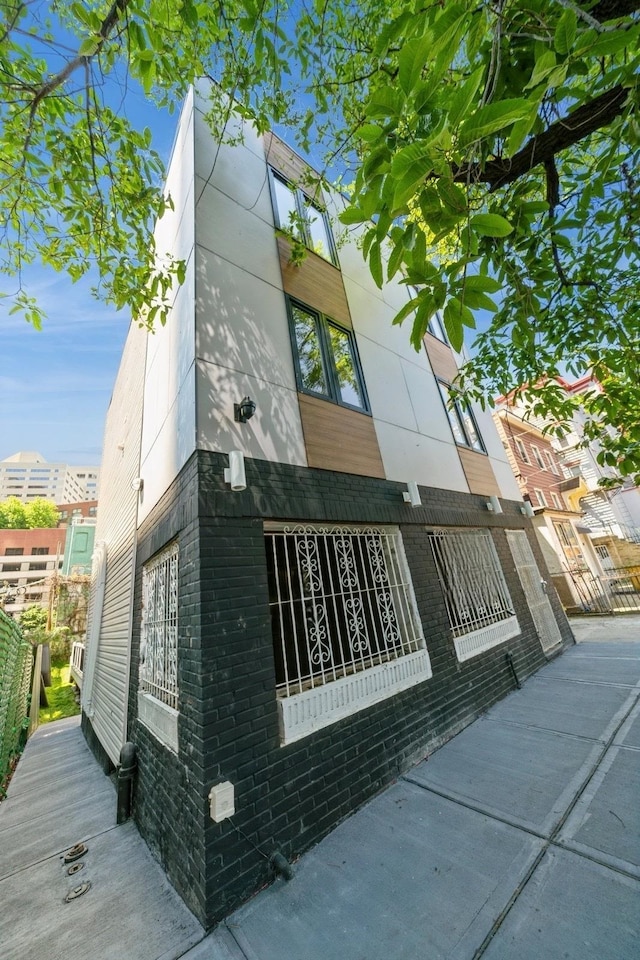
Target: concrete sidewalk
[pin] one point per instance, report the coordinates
(519, 838)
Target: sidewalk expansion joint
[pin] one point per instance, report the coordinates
(469, 805)
(595, 683)
(551, 839)
(536, 726)
(601, 861)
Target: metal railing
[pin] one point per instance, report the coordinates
(16, 662)
(76, 663)
(615, 591)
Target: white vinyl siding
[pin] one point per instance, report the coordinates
(109, 639)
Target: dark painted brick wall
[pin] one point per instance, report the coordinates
(287, 798)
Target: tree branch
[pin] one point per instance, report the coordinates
(108, 24)
(564, 133)
(613, 9)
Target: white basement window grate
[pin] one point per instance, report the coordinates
(342, 606)
(159, 631)
(477, 599)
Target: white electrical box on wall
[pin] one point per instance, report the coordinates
(221, 801)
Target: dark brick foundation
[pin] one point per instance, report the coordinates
(96, 747)
(288, 798)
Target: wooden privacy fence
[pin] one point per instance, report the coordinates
(16, 663)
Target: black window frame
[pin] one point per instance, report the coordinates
(436, 328)
(301, 198)
(323, 323)
(460, 415)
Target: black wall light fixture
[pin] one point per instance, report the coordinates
(244, 410)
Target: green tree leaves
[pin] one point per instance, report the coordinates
(488, 142)
(17, 515)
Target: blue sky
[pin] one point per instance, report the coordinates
(55, 384)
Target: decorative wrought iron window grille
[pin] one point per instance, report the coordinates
(477, 599)
(159, 631)
(341, 603)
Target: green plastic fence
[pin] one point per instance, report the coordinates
(16, 662)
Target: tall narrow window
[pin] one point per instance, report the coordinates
(522, 450)
(297, 214)
(286, 206)
(478, 602)
(553, 466)
(540, 497)
(326, 358)
(538, 457)
(342, 350)
(158, 675)
(318, 228)
(461, 419)
(310, 363)
(159, 633)
(436, 328)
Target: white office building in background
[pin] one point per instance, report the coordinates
(27, 475)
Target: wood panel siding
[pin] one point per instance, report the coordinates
(339, 439)
(281, 158)
(441, 357)
(479, 472)
(315, 282)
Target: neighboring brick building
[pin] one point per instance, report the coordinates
(563, 535)
(74, 511)
(308, 630)
(27, 559)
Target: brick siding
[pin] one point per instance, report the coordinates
(289, 797)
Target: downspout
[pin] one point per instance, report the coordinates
(126, 771)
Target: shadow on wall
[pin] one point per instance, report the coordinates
(243, 348)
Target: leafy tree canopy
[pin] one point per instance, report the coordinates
(33, 620)
(492, 150)
(16, 515)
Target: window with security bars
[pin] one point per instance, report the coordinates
(477, 599)
(341, 603)
(159, 631)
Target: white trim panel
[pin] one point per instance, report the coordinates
(160, 719)
(471, 644)
(304, 713)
